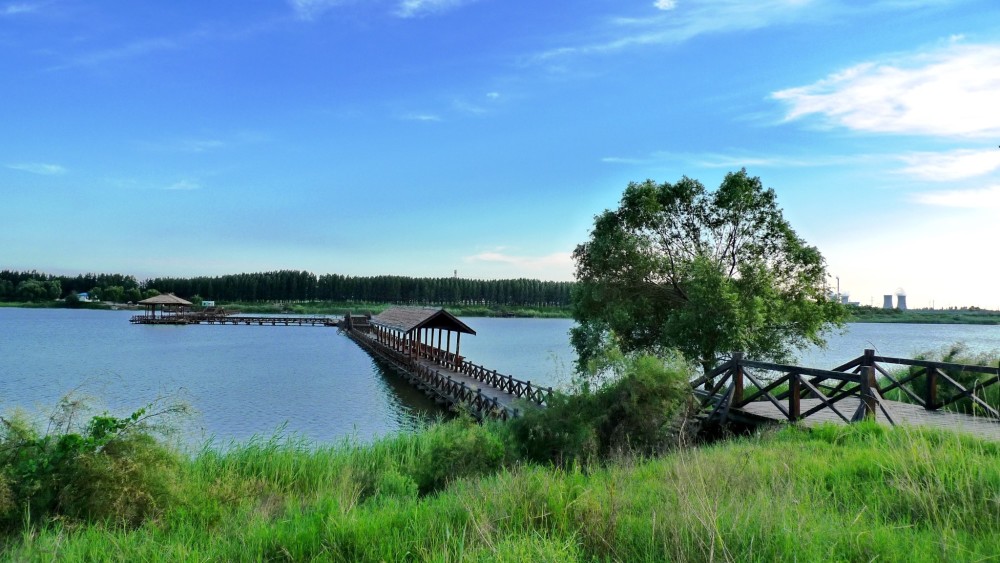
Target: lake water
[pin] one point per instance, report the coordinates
(250, 380)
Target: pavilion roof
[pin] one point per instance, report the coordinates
(165, 299)
(408, 319)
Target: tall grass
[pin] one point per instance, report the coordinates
(958, 354)
(836, 493)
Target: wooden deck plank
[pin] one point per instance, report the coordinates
(505, 399)
(903, 413)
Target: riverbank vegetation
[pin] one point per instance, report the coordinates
(963, 315)
(462, 491)
(290, 286)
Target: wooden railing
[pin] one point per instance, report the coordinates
(739, 382)
(443, 386)
(506, 383)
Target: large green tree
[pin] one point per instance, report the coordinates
(676, 267)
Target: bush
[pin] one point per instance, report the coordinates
(959, 354)
(457, 449)
(640, 411)
(108, 469)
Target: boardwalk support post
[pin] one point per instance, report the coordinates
(930, 391)
(868, 387)
(738, 377)
(794, 396)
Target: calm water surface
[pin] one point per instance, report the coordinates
(315, 382)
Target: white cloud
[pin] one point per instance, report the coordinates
(950, 166)
(427, 117)
(950, 92)
(184, 185)
(984, 198)
(417, 8)
(38, 168)
(17, 9)
(309, 9)
(493, 95)
(676, 22)
(557, 260)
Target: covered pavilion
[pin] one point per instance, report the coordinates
(413, 331)
(168, 304)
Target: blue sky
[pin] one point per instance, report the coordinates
(420, 137)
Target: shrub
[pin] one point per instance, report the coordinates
(959, 353)
(456, 449)
(639, 411)
(108, 468)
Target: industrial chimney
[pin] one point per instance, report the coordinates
(901, 299)
(887, 302)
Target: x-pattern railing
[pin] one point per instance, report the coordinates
(739, 382)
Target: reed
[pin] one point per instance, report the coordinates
(834, 493)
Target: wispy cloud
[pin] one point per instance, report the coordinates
(38, 168)
(18, 8)
(418, 8)
(184, 185)
(720, 160)
(984, 198)
(426, 117)
(675, 21)
(950, 92)
(557, 260)
(951, 166)
(309, 9)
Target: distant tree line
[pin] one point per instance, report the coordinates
(289, 285)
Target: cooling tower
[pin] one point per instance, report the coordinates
(901, 302)
(887, 302)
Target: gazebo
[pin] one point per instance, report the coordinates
(167, 303)
(413, 330)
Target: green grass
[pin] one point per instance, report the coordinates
(342, 307)
(859, 493)
(923, 316)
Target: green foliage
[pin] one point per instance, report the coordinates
(108, 468)
(708, 274)
(957, 353)
(837, 493)
(72, 300)
(637, 412)
(458, 449)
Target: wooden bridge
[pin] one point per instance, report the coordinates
(933, 394)
(247, 320)
(404, 338)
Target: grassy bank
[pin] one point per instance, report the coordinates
(860, 493)
(340, 308)
(924, 316)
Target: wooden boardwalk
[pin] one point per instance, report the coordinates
(403, 338)
(235, 320)
(937, 394)
(901, 414)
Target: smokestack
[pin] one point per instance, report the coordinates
(900, 299)
(887, 302)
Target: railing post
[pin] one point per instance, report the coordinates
(869, 361)
(930, 391)
(737, 378)
(868, 387)
(794, 392)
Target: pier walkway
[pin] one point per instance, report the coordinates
(925, 393)
(417, 343)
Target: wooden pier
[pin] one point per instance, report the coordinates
(927, 394)
(247, 320)
(417, 343)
